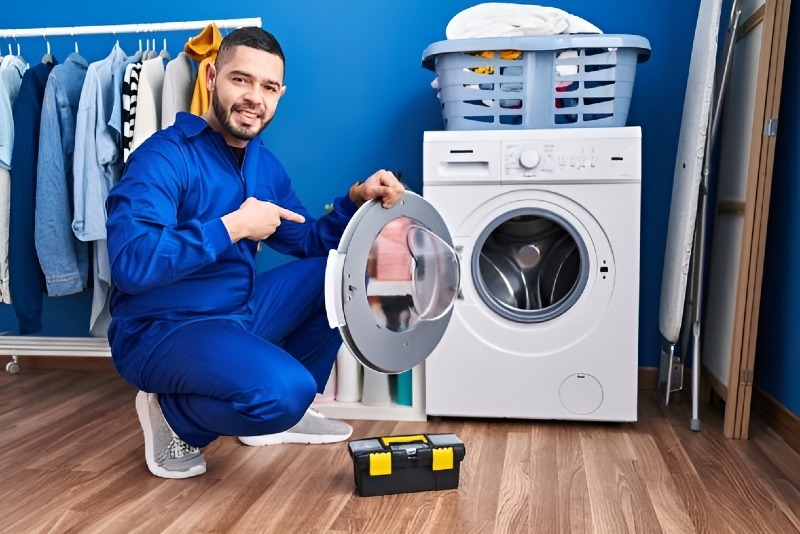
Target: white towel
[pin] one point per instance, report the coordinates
(497, 19)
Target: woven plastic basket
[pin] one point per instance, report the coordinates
(552, 81)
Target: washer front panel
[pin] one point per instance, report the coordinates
(602, 276)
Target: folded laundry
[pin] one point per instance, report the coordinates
(499, 19)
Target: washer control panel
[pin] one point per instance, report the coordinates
(576, 160)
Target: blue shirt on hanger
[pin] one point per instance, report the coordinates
(63, 257)
(11, 70)
(97, 166)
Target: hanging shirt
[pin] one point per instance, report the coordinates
(26, 279)
(97, 165)
(130, 93)
(179, 82)
(117, 122)
(148, 101)
(12, 68)
(172, 259)
(63, 257)
(203, 48)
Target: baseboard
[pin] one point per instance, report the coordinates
(69, 363)
(648, 378)
(778, 417)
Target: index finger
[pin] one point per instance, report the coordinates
(289, 215)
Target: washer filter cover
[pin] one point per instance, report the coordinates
(581, 394)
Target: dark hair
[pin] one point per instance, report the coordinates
(252, 37)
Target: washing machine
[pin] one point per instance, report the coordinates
(546, 227)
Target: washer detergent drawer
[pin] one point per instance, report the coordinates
(466, 162)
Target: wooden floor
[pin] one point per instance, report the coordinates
(71, 460)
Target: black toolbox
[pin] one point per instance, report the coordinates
(405, 464)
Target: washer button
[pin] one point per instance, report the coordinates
(529, 159)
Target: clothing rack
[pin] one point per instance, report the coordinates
(16, 346)
(129, 28)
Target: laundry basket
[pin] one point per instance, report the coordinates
(550, 81)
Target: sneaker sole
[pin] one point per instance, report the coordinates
(290, 437)
(143, 410)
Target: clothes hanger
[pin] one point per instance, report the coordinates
(19, 52)
(164, 52)
(48, 58)
(148, 54)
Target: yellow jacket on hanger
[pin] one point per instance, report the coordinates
(203, 48)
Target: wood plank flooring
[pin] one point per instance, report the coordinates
(71, 460)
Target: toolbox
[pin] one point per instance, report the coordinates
(405, 464)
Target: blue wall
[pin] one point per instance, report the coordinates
(778, 348)
(358, 99)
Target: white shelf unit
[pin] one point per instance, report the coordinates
(390, 412)
(16, 346)
(54, 346)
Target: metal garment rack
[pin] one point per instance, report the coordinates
(16, 346)
(115, 29)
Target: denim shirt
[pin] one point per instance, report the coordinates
(63, 257)
(172, 260)
(97, 159)
(11, 70)
(97, 166)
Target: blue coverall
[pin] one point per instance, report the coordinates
(228, 352)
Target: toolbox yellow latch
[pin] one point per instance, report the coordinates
(380, 463)
(442, 458)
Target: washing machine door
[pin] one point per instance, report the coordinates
(391, 284)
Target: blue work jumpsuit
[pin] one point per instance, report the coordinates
(228, 352)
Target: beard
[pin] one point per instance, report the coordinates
(224, 118)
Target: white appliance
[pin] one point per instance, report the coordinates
(546, 223)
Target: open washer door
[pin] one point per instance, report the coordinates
(391, 284)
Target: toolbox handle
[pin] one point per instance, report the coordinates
(388, 440)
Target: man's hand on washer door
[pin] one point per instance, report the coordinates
(383, 184)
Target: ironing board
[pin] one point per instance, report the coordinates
(689, 165)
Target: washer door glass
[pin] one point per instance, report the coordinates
(530, 265)
(391, 284)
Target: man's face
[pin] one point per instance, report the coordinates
(246, 90)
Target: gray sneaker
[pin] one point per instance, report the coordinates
(167, 455)
(313, 428)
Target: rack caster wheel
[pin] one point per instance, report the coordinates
(12, 367)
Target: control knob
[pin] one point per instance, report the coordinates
(529, 158)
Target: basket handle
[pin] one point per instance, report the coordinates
(537, 43)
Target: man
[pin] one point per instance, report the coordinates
(218, 349)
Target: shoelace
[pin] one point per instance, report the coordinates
(179, 448)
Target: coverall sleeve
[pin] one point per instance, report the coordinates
(147, 246)
(315, 237)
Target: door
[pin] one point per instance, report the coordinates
(391, 284)
(747, 147)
